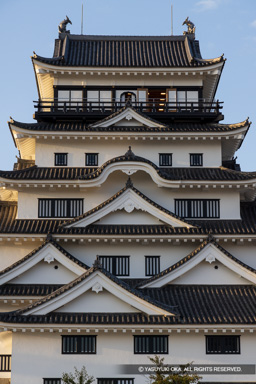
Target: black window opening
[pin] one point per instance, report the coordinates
(115, 381)
(165, 159)
(5, 363)
(60, 208)
(198, 208)
(152, 265)
(91, 159)
(150, 345)
(223, 345)
(52, 381)
(117, 265)
(61, 159)
(80, 345)
(196, 159)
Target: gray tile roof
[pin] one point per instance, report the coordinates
(84, 173)
(172, 127)
(27, 290)
(197, 304)
(245, 226)
(127, 51)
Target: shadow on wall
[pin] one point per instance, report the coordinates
(5, 381)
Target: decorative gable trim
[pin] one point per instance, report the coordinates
(48, 252)
(209, 251)
(96, 280)
(128, 199)
(128, 113)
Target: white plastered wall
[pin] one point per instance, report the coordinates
(229, 200)
(208, 274)
(36, 356)
(44, 273)
(107, 150)
(94, 302)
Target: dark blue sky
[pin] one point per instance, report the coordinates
(222, 26)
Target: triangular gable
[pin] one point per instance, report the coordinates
(208, 251)
(97, 280)
(47, 253)
(128, 199)
(128, 116)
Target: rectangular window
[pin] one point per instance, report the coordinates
(151, 345)
(91, 159)
(117, 265)
(70, 99)
(152, 265)
(61, 159)
(197, 209)
(196, 159)
(115, 381)
(82, 345)
(165, 159)
(223, 345)
(5, 363)
(60, 208)
(52, 381)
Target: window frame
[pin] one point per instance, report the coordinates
(161, 155)
(158, 264)
(79, 344)
(56, 154)
(114, 258)
(56, 380)
(116, 380)
(204, 202)
(200, 161)
(222, 344)
(151, 351)
(87, 154)
(53, 206)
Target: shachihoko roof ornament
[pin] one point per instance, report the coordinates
(191, 27)
(63, 25)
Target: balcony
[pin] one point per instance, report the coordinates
(155, 108)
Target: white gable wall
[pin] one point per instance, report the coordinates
(100, 302)
(107, 150)
(44, 273)
(207, 274)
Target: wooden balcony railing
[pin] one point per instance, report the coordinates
(152, 107)
(5, 363)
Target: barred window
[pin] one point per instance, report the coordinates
(223, 345)
(117, 265)
(5, 363)
(196, 159)
(198, 208)
(152, 265)
(115, 381)
(79, 345)
(91, 159)
(165, 159)
(151, 344)
(52, 381)
(61, 159)
(59, 208)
